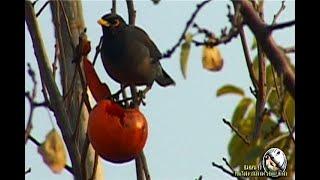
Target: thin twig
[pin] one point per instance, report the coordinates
(98, 49)
(244, 139)
(54, 64)
(31, 102)
(223, 169)
(275, 140)
(275, 17)
(36, 142)
(247, 58)
(281, 25)
(145, 167)
(227, 163)
(284, 117)
(114, 7)
(95, 165)
(189, 22)
(289, 49)
(42, 8)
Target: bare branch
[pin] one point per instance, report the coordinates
(247, 58)
(269, 47)
(261, 98)
(95, 165)
(244, 138)
(42, 8)
(56, 98)
(98, 49)
(281, 25)
(275, 17)
(114, 7)
(190, 21)
(36, 142)
(223, 169)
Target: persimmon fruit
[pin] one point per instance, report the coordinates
(117, 134)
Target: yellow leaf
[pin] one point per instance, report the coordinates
(211, 59)
(184, 55)
(53, 152)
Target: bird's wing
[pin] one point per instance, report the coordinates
(143, 37)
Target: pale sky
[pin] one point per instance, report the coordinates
(186, 132)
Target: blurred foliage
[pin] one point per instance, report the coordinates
(280, 108)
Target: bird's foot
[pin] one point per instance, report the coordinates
(141, 95)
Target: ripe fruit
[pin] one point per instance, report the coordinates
(117, 134)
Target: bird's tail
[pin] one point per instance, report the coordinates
(165, 79)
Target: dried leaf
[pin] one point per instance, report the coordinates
(53, 151)
(99, 90)
(211, 59)
(184, 54)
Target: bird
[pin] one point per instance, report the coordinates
(129, 56)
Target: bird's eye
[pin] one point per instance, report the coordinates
(116, 23)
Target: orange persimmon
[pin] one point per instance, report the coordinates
(117, 134)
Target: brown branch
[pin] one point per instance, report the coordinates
(67, 24)
(247, 58)
(31, 102)
(55, 96)
(223, 39)
(284, 117)
(36, 142)
(275, 17)
(268, 45)
(131, 12)
(95, 165)
(84, 157)
(242, 137)
(98, 49)
(114, 7)
(281, 25)
(55, 60)
(261, 96)
(289, 49)
(189, 22)
(42, 8)
(145, 167)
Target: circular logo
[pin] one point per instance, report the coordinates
(274, 162)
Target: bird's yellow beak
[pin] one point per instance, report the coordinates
(103, 22)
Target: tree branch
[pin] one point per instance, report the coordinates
(36, 142)
(189, 22)
(242, 137)
(247, 58)
(268, 45)
(55, 97)
(280, 25)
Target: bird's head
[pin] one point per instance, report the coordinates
(111, 24)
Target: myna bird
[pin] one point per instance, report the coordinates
(129, 56)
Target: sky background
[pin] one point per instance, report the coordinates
(186, 132)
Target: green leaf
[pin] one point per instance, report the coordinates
(240, 111)
(289, 109)
(254, 44)
(184, 57)
(229, 89)
(237, 150)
